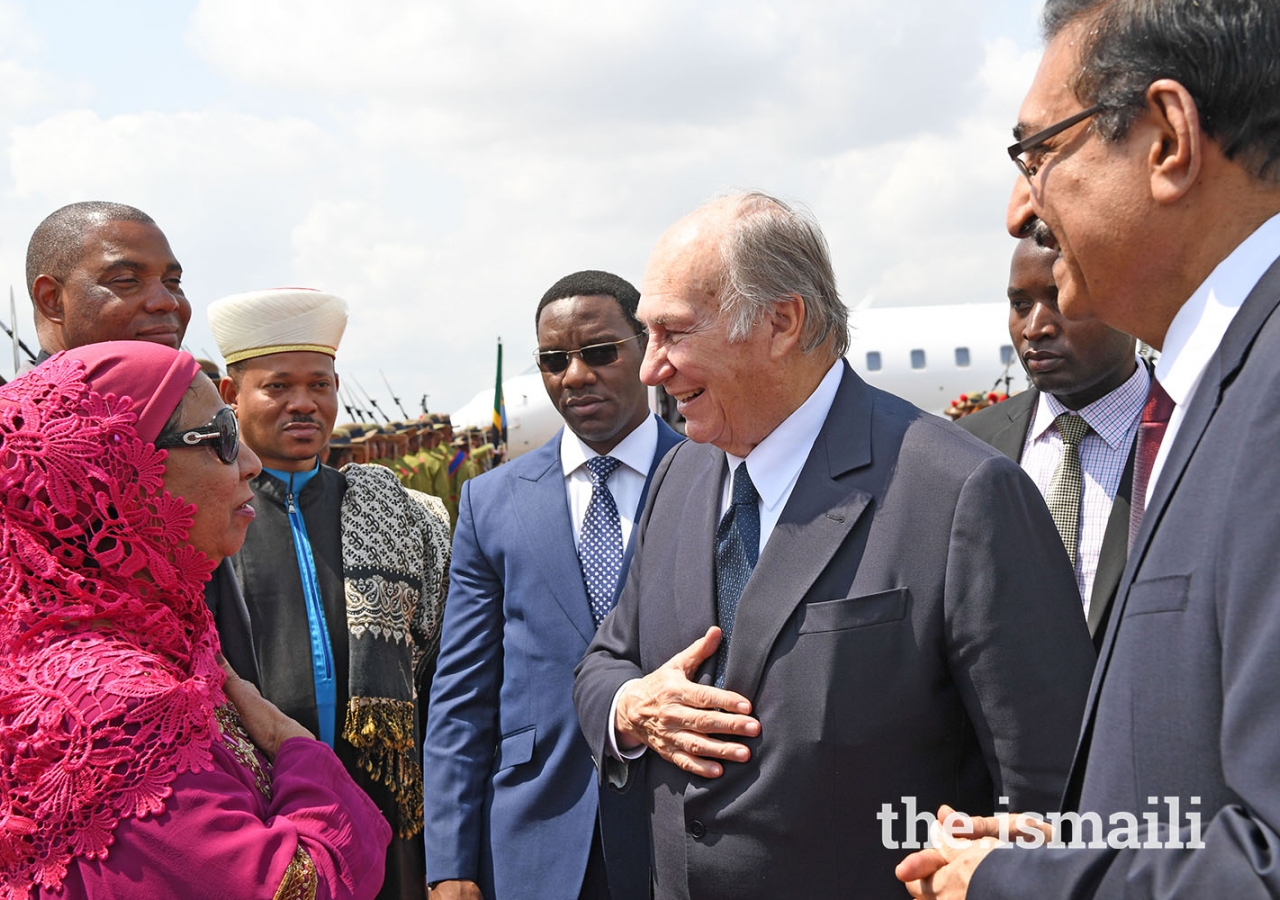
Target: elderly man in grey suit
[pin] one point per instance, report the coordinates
(840, 607)
(1084, 373)
(1149, 143)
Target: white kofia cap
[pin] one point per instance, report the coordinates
(282, 320)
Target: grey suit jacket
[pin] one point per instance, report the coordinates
(1185, 702)
(899, 638)
(1004, 426)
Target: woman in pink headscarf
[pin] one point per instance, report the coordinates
(128, 768)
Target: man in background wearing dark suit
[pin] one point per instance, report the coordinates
(1082, 370)
(513, 809)
(1149, 143)
(883, 614)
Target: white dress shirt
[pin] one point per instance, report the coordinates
(775, 463)
(1113, 423)
(1197, 330)
(635, 452)
(774, 466)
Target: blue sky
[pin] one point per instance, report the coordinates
(439, 164)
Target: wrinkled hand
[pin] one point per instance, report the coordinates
(268, 727)
(456, 889)
(674, 715)
(962, 842)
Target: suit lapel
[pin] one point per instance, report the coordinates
(1220, 370)
(819, 515)
(693, 580)
(541, 507)
(667, 438)
(1114, 553)
(1012, 436)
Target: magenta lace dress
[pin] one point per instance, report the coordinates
(123, 771)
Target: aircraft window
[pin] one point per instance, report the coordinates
(1006, 355)
(873, 360)
(917, 359)
(962, 357)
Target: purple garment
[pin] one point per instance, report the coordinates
(220, 837)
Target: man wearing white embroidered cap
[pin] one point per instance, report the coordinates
(347, 564)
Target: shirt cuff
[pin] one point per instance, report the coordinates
(614, 750)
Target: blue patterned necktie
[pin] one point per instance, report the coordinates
(600, 547)
(737, 548)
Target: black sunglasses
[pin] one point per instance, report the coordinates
(1019, 148)
(595, 356)
(222, 432)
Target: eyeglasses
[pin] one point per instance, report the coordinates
(595, 356)
(1027, 144)
(222, 432)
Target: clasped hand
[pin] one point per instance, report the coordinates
(675, 716)
(960, 843)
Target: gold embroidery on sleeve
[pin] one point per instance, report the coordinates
(237, 741)
(300, 879)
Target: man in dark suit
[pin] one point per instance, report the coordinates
(1079, 368)
(513, 809)
(1166, 206)
(908, 625)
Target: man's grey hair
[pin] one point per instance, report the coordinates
(771, 252)
(1226, 53)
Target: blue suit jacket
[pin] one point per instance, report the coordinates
(511, 791)
(1185, 702)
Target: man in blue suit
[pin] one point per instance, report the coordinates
(542, 543)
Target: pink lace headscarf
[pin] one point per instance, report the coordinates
(108, 681)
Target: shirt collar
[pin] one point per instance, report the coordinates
(775, 463)
(635, 451)
(299, 479)
(1197, 330)
(1109, 416)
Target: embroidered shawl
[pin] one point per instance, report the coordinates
(395, 559)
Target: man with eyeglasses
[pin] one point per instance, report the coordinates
(1165, 203)
(342, 571)
(541, 548)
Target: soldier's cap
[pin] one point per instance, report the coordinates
(283, 320)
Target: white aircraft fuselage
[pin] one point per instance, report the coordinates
(929, 355)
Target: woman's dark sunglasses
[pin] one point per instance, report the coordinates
(222, 432)
(595, 356)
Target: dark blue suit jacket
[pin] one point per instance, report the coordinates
(912, 630)
(511, 793)
(1185, 702)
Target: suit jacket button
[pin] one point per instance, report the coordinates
(696, 829)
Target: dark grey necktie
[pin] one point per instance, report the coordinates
(600, 546)
(1068, 482)
(737, 548)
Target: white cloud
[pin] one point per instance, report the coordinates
(440, 164)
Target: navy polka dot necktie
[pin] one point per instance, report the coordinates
(737, 548)
(600, 546)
